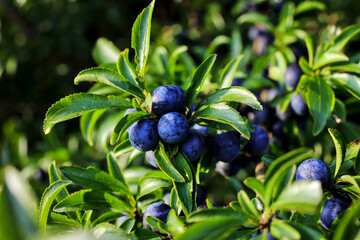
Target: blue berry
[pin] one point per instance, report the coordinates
(292, 75)
(285, 115)
(259, 117)
(298, 105)
(200, 195)
(143, 135)
(168, 99)
(237, 82)
(193, 146)
(200, 129)
(226, 146)
(258, 142)
(159, 210)
(331, 210)
(314, 169)
(173, 128)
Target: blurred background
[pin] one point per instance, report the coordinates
(45, 43)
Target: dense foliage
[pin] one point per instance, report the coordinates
(252, 137)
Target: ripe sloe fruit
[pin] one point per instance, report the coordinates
(314, 169)
(159, 210)
(292, 75)
(226, 146)
(331, 210)
(193, 146)
(258, 142)
(169, 98)
(143, 135)
(298, 105)
(173, 128)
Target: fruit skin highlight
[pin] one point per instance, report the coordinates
(173, 128)
(159, 210)
(143, 135)
(314, 169)
(331, 210)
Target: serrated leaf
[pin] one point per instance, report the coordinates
(125, 123)
(140, 37)
(339, 147)
(87, 124)
(256, 185)
(321, 101)
(149, 184)
(308, 6)
(329, 57)
(225, 115)
(79, 104)
(107, 216)
(110, 78)
(279, 168)
(349, 82)
(255, 18)
(346, 67)
(215, 213)
(303, 195)
(344, 37)
(209, 230)
(354, 188)
(348, 227)
(352, 149)
(123, 147)
(128, 225)
(173, 225)
(126, 70)
(94, 178)
(105, 51)
(63, 219)
(228, 72)
(232, 94)
(165, 164)
(114, 167)
(107, 231)
(281, 230)
(47, 199)
(185, 192)
(85, 221)
(198, 80)
(88, 199)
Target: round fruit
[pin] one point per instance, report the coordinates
(173, 128)
(331, 210)
(258, 142)
(292, 75)
(226, 146)
(298, 105)
(169, 98)
(143, 135)
(159, 210)
(314, 169)
(193, 146)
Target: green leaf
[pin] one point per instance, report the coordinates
(185, 192)
(286, 17)
(149, 184)
(87, 124)
(110, 78)
(225, 115)
(165, 164)
(108, 216)
(209, 230)
(279, 168)
(321, 100)
(247, 206)
(282, 230)
(63, 219)
(310, 49)
(232, 94)
(88, 199)
(303, 195)
(227, 74)
(47, 199)
(341, 40)
(255, 18)
(329, 57)
(306, 232)
(256, 185)
(173, 59)
(128, 225)
(198, 80)
(339, 111)
(78, 104)
(349, 82)
(86, 222)
(354, 186)
(216, 42)
(339, 143)
(107, 231)
(125, 123)
(173, 225)
(114, 167)
(94, 178)
(123, 147)
(308, 6)
(348, 227)
(346, 67)
(140, 37)
(105, 51)
(352, 149)
(126, 70)
(214, 214)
